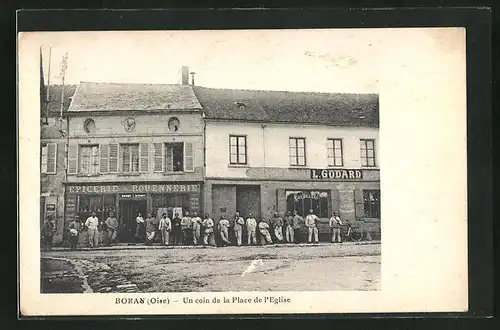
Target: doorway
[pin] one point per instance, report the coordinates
(248, 200)
(128, 212)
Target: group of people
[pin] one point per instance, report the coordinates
(191, 229)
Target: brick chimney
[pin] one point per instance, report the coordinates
(184, 75)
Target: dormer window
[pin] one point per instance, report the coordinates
(174, 124)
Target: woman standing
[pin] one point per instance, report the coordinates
(140, 230)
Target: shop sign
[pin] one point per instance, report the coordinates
(133, 188)
(132, 195)
(338, 174)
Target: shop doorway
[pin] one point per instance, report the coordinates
(128, 213)
(248, 200)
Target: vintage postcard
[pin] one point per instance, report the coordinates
(242, 172)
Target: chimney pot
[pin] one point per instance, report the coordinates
(184, 75)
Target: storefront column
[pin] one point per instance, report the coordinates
(347, 203)
(207, 198)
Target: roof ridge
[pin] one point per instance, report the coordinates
(283, 91)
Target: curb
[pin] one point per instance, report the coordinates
(163, 247)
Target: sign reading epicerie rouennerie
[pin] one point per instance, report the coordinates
(338, 174)
(134, 188)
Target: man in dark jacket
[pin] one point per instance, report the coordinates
(176, 229)
(48, 230)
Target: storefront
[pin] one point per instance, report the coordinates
(128, 200)
(353, 193)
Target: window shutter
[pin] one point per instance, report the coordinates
(73, 158)
(170, 159)
(51, 158)
(158, 157)
(358, 200)
(144, 157)
(104, 154)
(188, 157)
(113, 157)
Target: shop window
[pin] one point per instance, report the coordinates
(335, 152)
(297, 147)
(167, 202)
(100, 204)
(89, 159)
(367, 152)
(237, 149)
(129, 155)
(371, 203)
(303, 201)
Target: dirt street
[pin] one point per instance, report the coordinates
(324, 267)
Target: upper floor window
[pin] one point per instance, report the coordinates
(335, 152)
(48, 158)
(129, 155)
(297, 148)
(367, 152)
(175, 157)
(237, 149)
(89, 159)
(89, 125)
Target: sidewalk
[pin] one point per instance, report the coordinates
(126, 246)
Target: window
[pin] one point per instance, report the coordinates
(371, 203)
(237, 149)
(129, 155)
(297, 151)
(335, 152)
(170, 201)
(303, 201)
(89, 160)
(367, 152)
(175, 157)
(89, 125)
(100, 204)
(48, 158)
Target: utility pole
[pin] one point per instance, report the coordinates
(64, 66)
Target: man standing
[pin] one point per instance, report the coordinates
(111, 227)
(265, 236)
(297, 220)
(251, 227)
(208, 232)
(311, 220)
(176, 229)
(224, 231)
(196, 224)
(74, 233)
(186, 228)
(239, 222)
(277, 223)
(289, 227)
(150, 229)
(164, 227)
(92, 223)
(335, 223)
(48, 230)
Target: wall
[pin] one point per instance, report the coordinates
(268, 147)
(51, 186)
(149, 128)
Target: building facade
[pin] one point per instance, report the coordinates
(133, 148)
(282, 151)
(53, 130)
(158, 148)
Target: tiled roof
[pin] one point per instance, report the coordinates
(290, 107)
(91, 96)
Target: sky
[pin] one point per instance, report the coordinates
(294, 60)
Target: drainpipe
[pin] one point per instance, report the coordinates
(264, 142)
(204, 159)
